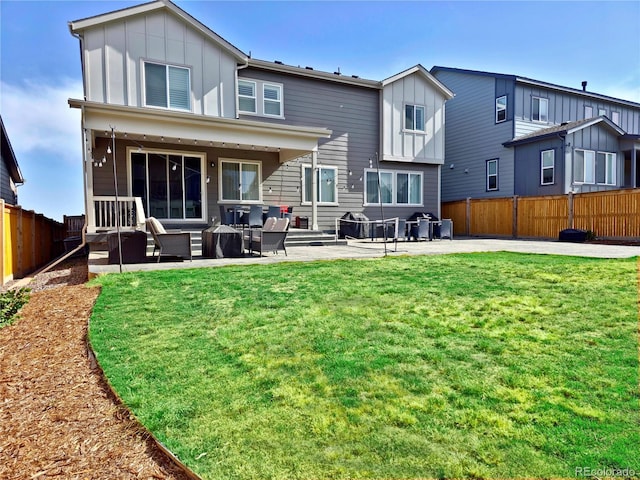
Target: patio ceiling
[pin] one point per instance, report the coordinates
(175, 128)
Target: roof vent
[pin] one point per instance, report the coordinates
(584, 85)
(278, 62)
(564, 123)
(309, 68)
(336, 73)
(355, 76)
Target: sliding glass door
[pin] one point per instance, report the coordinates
(170, 184)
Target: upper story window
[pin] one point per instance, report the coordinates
(272, 98)
(492, 174)
(588, 111)
(615, 117)
(256, 97)
(602, 112)
(414, 118)
(247, 96)
(539, 109)
(167, 86)
(501, 109)
(327, 191)
(396, 188)
(548, 166)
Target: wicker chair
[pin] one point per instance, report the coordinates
(174, 244)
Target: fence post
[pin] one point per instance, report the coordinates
(570, 207)
(467, 215)
(514, 226)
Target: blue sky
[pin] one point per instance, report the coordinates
(558, 42)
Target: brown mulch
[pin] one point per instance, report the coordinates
(58, 419)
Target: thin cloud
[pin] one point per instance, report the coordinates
(38, 119)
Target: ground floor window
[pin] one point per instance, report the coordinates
(240, 181)
(594, 167)
(327, 190)
(548, 167)
(492, 174)
(396, 187)
(170, 184)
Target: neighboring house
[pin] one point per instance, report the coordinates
(198, 124)
(10, 174)
(509, 135)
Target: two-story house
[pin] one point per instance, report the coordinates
(10, 174)
(194, 124)
(509, 135)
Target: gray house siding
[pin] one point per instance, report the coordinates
(528, 168)
(566, 107)
(473, 137)
(351, 113)
(6, 193)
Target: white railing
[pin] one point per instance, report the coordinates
(106, 213)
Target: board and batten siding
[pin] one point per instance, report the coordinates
(473, 137)
(528, 168)
(401, 145)
(567, 107)
(114, 55)
(6, 192)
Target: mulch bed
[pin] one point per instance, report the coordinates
(57, 416)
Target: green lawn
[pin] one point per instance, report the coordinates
(484, 365)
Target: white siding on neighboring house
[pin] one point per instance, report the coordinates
(401, 144)
(115, 54)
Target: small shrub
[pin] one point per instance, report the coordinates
(11, 302)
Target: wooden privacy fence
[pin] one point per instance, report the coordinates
(28, 240)
(613, 214)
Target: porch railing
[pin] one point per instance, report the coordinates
(106, 213)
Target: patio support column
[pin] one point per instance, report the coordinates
(314, 192)
(87, 176)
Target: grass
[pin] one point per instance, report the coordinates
(481, 365)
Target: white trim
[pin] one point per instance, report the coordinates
(279, 101)
(166, 71)
(503, 109)
(254, 97)
(487, 175)
(240, 162)
(404, 118)
(613, 157)
(394, 187)
(540, 99)
(552, 167)
(259, 86)
(319, 169)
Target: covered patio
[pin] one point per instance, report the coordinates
(180, 167)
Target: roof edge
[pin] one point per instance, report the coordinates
(425, 74)
(12, 161)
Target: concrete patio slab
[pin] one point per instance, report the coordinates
(366, 249)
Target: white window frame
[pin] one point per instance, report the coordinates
(253, 97)
(260, 100)
(166, 66)
(415, 109)
(320, 201)
(602, 112)
(501, 107)
(241, 162)
(540, 100)
(588, 111)
(488, 175)
(609, 158)
(394, 187)
(265, 100)
(591, 171)
(552, 167)
(615, 117)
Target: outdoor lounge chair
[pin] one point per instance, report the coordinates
(175, 244)
(270, 238)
